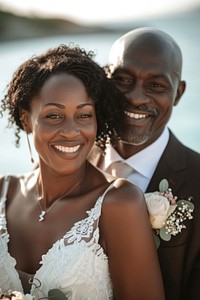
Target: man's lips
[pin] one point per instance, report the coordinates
(135, 116)
(141, 112)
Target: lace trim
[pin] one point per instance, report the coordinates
(3, 222)
(82, 230)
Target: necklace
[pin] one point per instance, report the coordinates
(43, 212)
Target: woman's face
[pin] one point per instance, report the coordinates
(63, 123)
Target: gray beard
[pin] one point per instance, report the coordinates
(131, 137)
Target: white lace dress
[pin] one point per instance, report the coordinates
(76, 264)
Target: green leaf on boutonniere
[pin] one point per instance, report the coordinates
(56, 294)
(156, 240)
(163, 186)
(164, 235)
(185, 202)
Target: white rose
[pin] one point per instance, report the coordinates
(17, 295)
(159, 209)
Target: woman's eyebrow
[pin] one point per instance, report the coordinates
(55, 104)
(85, 104)
(62, 106)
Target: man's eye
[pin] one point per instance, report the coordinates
(155, 84)
(123, 83)
(122, 79)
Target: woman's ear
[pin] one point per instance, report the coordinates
(25, 120)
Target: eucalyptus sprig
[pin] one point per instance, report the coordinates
(56, 294)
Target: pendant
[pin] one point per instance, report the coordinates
(41, 216)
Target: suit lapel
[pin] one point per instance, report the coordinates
(171, 167)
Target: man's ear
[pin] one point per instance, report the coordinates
(180, 91)
(25, 120)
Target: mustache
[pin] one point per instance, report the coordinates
(142, 108)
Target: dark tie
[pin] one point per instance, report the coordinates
(119, 169)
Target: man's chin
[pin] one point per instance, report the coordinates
(135, 139)
(133, 142)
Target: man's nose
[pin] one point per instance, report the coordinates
(137, 95)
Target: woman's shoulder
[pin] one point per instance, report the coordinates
(16, 176)
(123, 192)
(123, 204)
(14, 179)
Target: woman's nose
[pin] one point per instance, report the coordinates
(69, 128)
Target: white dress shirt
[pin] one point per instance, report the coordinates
(144, 162)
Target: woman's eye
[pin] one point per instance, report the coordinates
(85, 116)
(53, 116)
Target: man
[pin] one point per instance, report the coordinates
(146, 66)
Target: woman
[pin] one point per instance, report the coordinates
(66, 225)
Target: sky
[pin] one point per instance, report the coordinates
(97, 12)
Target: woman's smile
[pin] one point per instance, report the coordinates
(67, 149)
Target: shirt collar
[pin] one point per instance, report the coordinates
(149, 156)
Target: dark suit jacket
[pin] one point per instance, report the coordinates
(180, 257)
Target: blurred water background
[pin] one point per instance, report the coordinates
(185, 120)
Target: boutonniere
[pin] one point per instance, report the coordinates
(167, 213)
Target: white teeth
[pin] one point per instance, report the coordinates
(135, 116)
(67, 149)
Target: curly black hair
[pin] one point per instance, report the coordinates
(32, 74)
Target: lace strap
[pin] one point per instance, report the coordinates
(101, 199)
(84, 229)
(95, 212)
(3, 197)
(4, 190)
(108, 189)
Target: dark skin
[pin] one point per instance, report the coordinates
(146, 66)
(56, 223)
(63, 122)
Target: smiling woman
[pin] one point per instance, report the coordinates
(69, 236)
(63, 121)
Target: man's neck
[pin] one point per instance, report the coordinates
(126, 150)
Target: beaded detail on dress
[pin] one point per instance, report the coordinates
(76, 264)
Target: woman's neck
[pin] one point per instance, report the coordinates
(52, 186)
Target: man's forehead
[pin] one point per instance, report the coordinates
(117, 52)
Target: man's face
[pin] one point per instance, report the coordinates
(151, 85)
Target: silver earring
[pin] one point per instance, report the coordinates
(29, 147)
